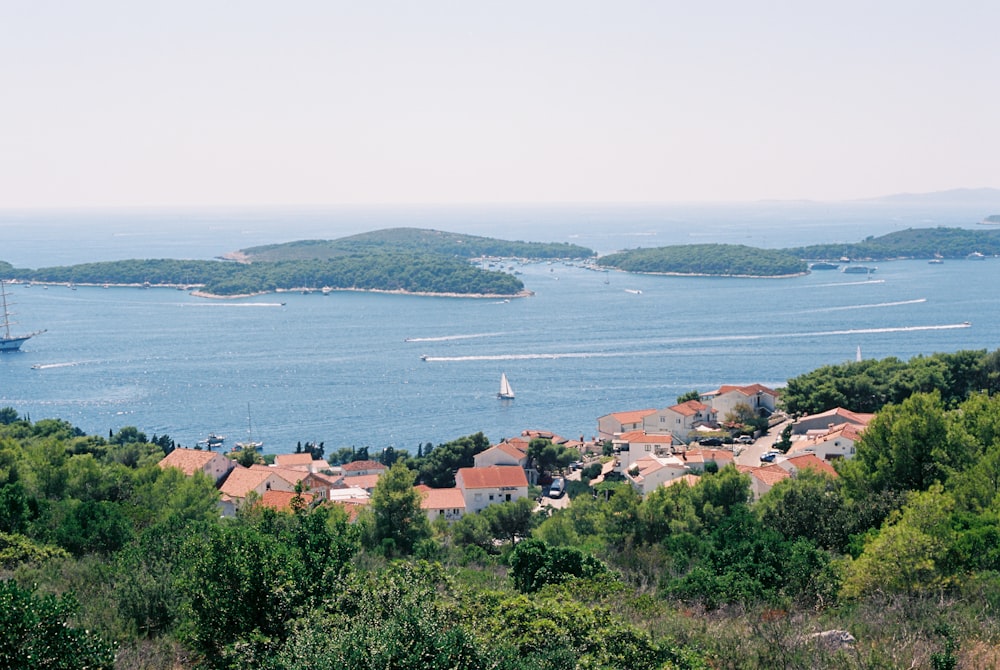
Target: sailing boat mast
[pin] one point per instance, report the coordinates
(506, 392)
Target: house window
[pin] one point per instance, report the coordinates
(491, 496)
(479, 496)
(508, 497)
(649, 447)
(663, 419)
(677, 420)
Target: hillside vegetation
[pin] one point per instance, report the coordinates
(414, 241)
(707, 259)
(110, 561)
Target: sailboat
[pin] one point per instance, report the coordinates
(10, 342)
(506, 392)
(857, 356)
(249, 444)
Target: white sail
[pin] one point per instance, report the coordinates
(506, 392)
(858, 356)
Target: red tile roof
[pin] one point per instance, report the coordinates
(811, 461)
(243, 480)
(495, 476)
(356, 466)
(441, 498)
(188, 461)
(751, 389)
(632, 416)
(690, 408)
(292, 460)
(640, 436)
(290, 475)
(281, 500)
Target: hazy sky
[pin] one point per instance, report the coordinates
(249, 102)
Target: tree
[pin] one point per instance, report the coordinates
(808, 506)
(510, 520)
(399, 521)
(690, 395)
(534, 564)
(548, 457)
(35, 633)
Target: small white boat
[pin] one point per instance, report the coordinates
(634, 291)
(506, 392)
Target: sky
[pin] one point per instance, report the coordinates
(218, 103)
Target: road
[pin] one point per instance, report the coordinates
(752, 452)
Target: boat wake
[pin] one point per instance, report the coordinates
(844, 283)
(719, 338)
(447, 338)
(868, 306)
(232, 304)
(49, 366)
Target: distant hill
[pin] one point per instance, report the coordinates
(909, 243)
(988, 198)
(411, 241)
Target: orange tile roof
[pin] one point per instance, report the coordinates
(751, 389)
(292, 460)
(720, 456)
(852, 417)
(512, 450)
(353, 507)
(367, 482)
(770, 474)
(281, 500)
(451, 498)
(495, 476)
(689, 408)
(640, 436)
(243, 480)
(632, 416)
(812, 461)
(290, 475)
(188, 461)
(690, 480)
(355, 466)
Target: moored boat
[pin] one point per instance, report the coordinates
(10, 342)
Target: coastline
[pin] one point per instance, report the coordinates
(708, 274)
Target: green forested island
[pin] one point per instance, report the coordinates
(910, 243)
(108, 560)
(412, 241)
(707, 259)
(430, 261)
(401, 259)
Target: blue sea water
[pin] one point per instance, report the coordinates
(346, 368)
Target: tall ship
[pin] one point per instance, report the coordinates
(10, 342)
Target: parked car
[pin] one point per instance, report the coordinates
(558, 487)
(769, 456)
(710, 442)
(744, 439)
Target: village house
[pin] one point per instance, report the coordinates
(724, 400)
(793, 464)
(697, 458)
(301, 461)
(826, 420)
(189, 461)
(650, 472)
(283, 500)
(362, 468)
(679, 420)
(612, 425)
(631, 446)
(482, 487)
(509, 453)
(834, 443)
(763, 479)
(448, 503)
(241, 482)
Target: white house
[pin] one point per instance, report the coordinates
(447, 503)
(636, 444)
(836, 442)
(482, 487)
(827, 420)
(697, 458)
(757, 396)
(242, 481)
(650, 472)
(509, 453)
(679, 420)
(612, 425)
(362, 468)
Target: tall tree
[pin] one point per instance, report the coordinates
(399, 522)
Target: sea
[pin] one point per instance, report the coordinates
(379, 370)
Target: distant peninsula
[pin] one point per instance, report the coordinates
(727, 260)
(928, 243)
